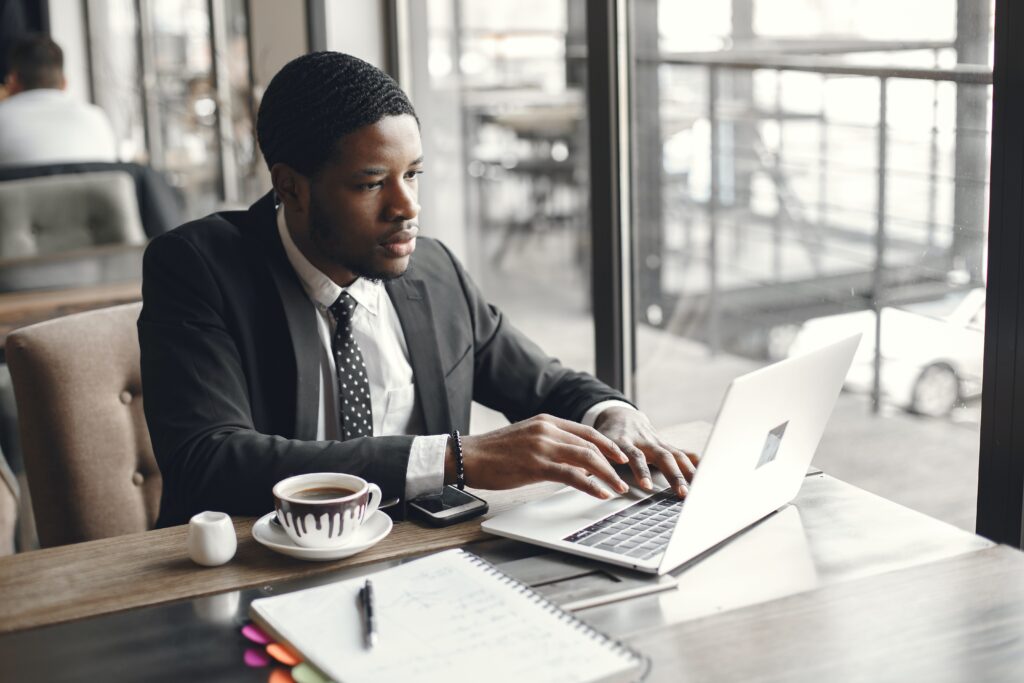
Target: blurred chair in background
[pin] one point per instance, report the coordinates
(88, 456)
(8, 507)
(40, 216)
(69, 231)
(160, 205)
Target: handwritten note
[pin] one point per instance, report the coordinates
(448, 617)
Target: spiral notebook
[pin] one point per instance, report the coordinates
(447, 617)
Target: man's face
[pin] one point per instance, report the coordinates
(363, 204)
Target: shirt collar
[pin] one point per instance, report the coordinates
(321, 289)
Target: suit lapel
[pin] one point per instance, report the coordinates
(409, 296)
(300, 317)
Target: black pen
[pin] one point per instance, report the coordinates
(371, 624)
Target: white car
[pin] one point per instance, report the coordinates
(931, 352)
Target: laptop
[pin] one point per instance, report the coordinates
(754, 462)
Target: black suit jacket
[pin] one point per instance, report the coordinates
(230, 365)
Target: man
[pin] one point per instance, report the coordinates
(327, 334)
(40, 123)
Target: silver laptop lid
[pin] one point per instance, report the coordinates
(763, 440)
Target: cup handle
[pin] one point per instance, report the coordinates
(374, 502)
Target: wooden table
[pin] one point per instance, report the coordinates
(18, 309)
(842, 585)
(38, 288)
(958, 619)
(81, 580)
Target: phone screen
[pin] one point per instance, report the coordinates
(449, 498)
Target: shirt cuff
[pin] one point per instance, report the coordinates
(590, 417)
(425, 473)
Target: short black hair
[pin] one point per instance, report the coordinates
(38, 62)
(317, 98)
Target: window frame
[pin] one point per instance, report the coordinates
(1001, 458)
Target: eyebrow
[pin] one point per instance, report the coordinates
(375, 171)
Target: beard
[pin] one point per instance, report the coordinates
(329, 241)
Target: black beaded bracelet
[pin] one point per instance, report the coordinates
(460, 468)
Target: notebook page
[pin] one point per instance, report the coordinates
(443, 617)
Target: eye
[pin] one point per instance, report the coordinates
(370, 186)
(410, 175)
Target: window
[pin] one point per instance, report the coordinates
(499, 89)
(174, 77)
(807, 169)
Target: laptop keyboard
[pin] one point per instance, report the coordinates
(641, 530)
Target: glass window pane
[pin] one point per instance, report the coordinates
(114, 57)
(500, 95)
(186, 91)
(184, 97)
(783, 202)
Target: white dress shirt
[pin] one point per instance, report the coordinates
(378, 332)
(44, 126)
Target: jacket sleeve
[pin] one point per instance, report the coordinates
(196, 397)
(511, 373)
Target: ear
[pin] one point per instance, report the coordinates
(13, 83)
(292, 187)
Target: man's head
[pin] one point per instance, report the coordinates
(342, 143)
(35, 62)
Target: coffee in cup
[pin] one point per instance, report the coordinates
(324, 509)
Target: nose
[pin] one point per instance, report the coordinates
(402, 204)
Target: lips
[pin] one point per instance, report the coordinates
(401, 243)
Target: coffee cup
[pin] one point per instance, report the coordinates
(324, 509)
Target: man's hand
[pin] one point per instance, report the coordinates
(542, 448)
(632, 432)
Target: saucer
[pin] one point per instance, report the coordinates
(277, 539)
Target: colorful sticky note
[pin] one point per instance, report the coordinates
(256, 658)
(304, 673)
(256, 634)
(282, 654)
(279, 675)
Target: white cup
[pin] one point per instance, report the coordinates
(329, 522)
(211, 538)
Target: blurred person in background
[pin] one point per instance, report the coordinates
(40, 123)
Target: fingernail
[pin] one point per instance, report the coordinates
(647, 483)
(605, 494)
(622, 486)
(683, 490)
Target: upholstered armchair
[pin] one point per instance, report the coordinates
(88, 456)
(40, 216)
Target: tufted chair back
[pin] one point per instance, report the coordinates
(88, 457)
(64, 212)
(8, 507)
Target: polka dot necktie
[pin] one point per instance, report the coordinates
(356, 414)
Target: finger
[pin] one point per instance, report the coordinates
(583, 454)
(576, 478)
(638, 464)
(666, 462)
(686, 466)
(606, 445)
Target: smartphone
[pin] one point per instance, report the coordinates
(448, 507)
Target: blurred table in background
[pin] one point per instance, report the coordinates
(18, 309)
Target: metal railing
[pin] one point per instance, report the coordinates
(749, 61)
